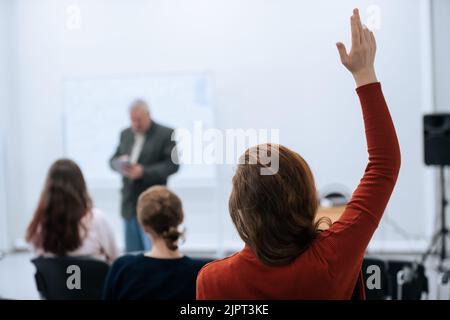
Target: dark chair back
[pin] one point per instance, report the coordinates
(381, 292)
(413, 283)
(70, 278)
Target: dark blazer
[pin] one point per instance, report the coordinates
(155, 158)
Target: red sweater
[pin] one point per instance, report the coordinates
(331, 267)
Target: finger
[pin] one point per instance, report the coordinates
(356, 39)
(366, 35)
(372, 40)
(342, 52)
(358, 23)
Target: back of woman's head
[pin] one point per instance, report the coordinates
(161, 210)
(274, 213)
(64, 202)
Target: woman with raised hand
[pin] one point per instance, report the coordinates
(285, 255)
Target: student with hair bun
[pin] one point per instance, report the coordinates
(163, 273)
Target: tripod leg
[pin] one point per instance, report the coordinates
(443, 248)
(443, 231)
(434, 242)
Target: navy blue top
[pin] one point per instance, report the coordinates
(140, 277)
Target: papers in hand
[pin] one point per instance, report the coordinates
(120, 164)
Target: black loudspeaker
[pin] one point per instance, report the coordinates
(436, 129)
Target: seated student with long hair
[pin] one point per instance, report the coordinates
(285, 256)
(163, 273)
(65, 222)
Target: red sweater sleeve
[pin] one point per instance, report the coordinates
(347, 239)
(200, 294)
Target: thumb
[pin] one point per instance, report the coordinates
(342, 52)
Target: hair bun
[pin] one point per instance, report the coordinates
(171, 237)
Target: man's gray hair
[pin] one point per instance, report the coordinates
(139, 104)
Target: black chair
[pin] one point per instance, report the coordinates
(408, 280)
(55, 277)
(383, 292)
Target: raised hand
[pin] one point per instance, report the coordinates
(360, 60)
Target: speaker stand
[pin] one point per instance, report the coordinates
(438, 244)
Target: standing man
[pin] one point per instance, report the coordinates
(144, 159)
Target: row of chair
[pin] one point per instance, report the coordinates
(400, 280)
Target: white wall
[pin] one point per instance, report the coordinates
(4, 104)
(441, 45)
(11, 125)
(270, 71)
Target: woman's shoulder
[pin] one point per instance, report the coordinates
(219, 265)
(97, 218)
(197, 263)
(126, 260)
(97, 214)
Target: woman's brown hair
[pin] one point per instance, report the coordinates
(274, 213)
(161, 210)
(57, 223)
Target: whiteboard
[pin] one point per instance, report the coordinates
(97, 109)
